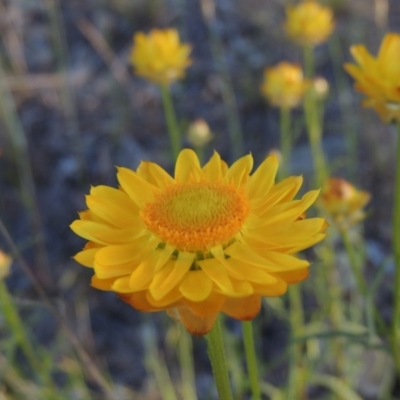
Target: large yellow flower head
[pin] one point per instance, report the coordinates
(309, 23)
(284, 85)
(208, 240)
(159, 56)
(343, 202)
(379, 77)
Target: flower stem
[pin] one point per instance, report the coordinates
(353, 262)
(251, 359)
(172, 124)
(286, 142)
(313, 116)
(297, 323)
(396, 252)
(217, 358)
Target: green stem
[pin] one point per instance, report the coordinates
(186, 363)
(297, 323)
(172, 124)
(226, 86)
(353, 262)
(309, 64)
(396, 252)
(217, 358)
(286, 140)
(251, 359)
(16, 326)
(313, 116)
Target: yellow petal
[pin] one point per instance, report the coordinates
(121, 285)
(164, 283)
(239, 171)
(213, 169)
(294, 276)
(138, 301)
(102, 284)
(277, 289)
(242, 271)
(172, 299)
(244, 309)
(112, 212)
(196, 286)
(263, 178)
(154, 174)
(140, 191)
(86, 257)
(208, 307)
(143, 274)
(104, 234)
(195, 325)
(240, 252)
(363, 57)
(187, 166)
(217, 273)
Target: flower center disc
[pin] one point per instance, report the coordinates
(196, 216)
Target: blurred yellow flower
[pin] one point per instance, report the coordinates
(284, 85)
(159, 56)
(210, 239)
(5, 265)
(379, 78)
(309, 23)
(343, 202)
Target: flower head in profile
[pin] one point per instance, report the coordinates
(210, 239)
(343, 202)
(159, 56)
(5, 265)
(284, 85)
(379, 77)
(309, 23)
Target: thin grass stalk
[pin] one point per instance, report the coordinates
(354, 264)
(295, 355)
(67, 96)
(227, 92)
(395, 332)
(89, 366)
(313, 113)
(26, 182)
(187, 366)
(251, 359)
(216, 354)
(172, 124)
(346, 107)
(286, 139)
(16, 326)
(156, 365)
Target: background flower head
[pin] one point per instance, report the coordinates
(5, 264)
(309, 23)
(284, 85)
(379, 77)
(159, 56)
(210, 239)
(343, 202)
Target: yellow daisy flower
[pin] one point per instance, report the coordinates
(159, 56)
(208, 240)
(343, 202)
(309, 23)
(379, 78)
(284, 85)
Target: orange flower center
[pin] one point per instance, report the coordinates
(196, 216)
